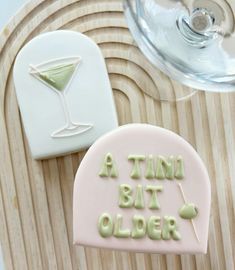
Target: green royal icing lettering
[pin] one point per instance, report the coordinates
(125, 196)
(153, 203)
(136, 171)
(179, 172)
(165, 167)
(58, 76)
(105, 225)
(153, 228)
(118, 231)
(108, 168)
(170, 229)
(150, 173)
(188, 211)
(139, 199)
(139, 227)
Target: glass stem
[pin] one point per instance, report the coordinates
(138, 9)
(65, 108)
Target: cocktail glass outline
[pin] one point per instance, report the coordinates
(71, 128)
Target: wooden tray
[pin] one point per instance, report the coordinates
(36, 197)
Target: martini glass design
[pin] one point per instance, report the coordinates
(57, 75)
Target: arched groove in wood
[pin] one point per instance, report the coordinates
(203, 140)
(136, 69)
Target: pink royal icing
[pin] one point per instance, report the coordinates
(142, 188)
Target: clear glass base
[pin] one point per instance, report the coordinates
(71, 130)
(190, 49)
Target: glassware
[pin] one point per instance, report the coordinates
(192, 41)
(57, 75)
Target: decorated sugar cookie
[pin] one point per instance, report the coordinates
(142, 188)
(63, 93)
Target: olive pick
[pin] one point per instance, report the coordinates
(188, 211)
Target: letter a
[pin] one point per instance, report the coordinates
(108, 167)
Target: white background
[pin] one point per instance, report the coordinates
(7, 9)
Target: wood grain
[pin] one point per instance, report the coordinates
(36, 196)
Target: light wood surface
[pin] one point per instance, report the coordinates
(36, 196)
